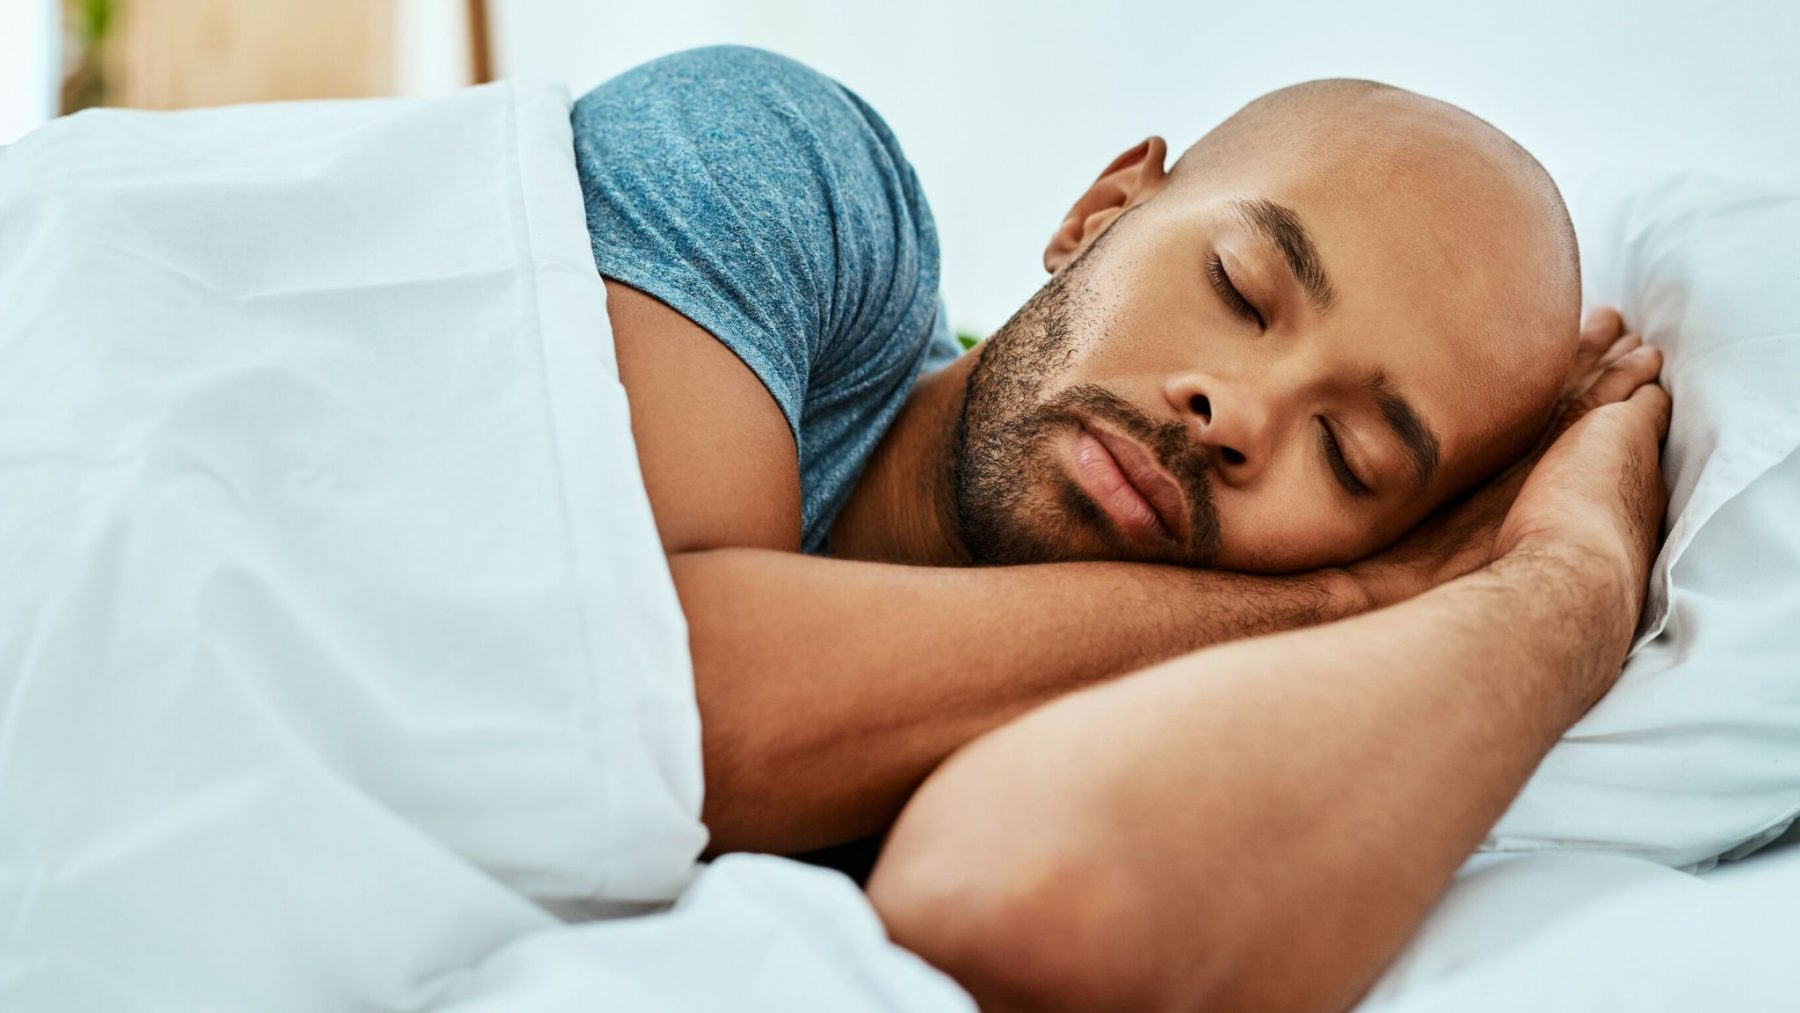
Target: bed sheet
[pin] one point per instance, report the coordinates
(340, 666)
(1578, 932)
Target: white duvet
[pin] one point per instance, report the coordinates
(339, 663)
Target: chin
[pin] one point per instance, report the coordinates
(1074, 536)
(1036, 528)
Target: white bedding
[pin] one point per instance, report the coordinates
(1574, 932)
(1603, 928)
(339, 663)
(1695, 753)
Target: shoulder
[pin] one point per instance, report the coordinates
(748, 177)
(718, 63)
(718, 92)
(787, 144)
(774, 208)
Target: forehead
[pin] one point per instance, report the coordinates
(1419, 289)
(1416, 195)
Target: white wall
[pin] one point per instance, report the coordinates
(30, 63)
(431, 46)
(1008, 107)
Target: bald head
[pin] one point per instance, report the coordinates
(1453, 186)
(1351, 120)
(1341, 307)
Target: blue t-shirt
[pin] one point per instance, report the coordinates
(770, 205)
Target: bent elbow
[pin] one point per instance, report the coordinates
(1052, 934)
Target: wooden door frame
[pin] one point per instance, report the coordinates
(481, 51)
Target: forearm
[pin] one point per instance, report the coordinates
(1272, 817)
(829, 688)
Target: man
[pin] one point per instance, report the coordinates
(1339, 311)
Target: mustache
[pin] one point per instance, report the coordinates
(1170, 443)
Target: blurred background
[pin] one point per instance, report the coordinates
(1008, 108)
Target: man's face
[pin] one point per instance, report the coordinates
(1285, 370)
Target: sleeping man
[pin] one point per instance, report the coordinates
(1247, 571)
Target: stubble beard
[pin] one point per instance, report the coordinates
(1013, 503)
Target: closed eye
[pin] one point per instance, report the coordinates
(1334, 457)
(1221, 282)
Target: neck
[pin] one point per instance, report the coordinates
(903, 509)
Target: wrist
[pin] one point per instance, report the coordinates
(1586, 604)
(1378, 582)
(1358, 587)
(1594, 565)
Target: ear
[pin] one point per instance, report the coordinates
(1131, 179)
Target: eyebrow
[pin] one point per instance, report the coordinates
(1420, 442)
(1286, 232)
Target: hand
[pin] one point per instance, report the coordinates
(1599, 375)
(1460, 536)
(1597, 495)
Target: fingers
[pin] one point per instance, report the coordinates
(1631, 370)
(1609, 364)
(1654, 400)
(1602, 327)
(1619, 348)
(1579, 384)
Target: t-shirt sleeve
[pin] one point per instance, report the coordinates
(771, 206)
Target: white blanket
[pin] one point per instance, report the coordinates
(1575, 932)
(339, 663)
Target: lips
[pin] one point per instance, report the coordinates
(1129, 484)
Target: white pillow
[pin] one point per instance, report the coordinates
(1696, 751)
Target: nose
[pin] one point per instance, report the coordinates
(1230, 419)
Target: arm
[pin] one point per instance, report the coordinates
(829, 688)
(1259, 825)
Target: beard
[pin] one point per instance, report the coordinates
(1015, 503)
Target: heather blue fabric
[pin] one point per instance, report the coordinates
(770, 205)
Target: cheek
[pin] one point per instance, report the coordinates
(1281, 530)
(1142, 332)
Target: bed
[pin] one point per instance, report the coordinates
(390, 706)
